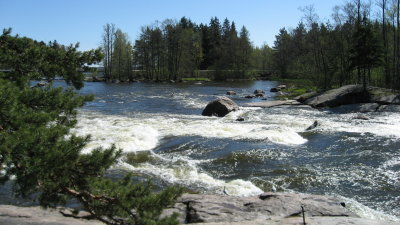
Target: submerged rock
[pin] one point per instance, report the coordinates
(250, 96)
(220, 107)
(259, 92)
(313, 126)
(231, 93)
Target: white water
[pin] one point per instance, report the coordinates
(143, 132)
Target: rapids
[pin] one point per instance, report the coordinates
(161, 124)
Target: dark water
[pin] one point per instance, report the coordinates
(356, 160)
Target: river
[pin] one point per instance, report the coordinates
(356, 160)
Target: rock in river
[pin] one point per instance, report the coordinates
(220, 107)
(349, 94)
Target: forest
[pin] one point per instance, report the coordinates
(360, 43)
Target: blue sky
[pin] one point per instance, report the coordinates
(71, 21)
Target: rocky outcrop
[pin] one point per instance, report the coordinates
(267, 208)
(13, 215)
(350, 94)
(387, 100)
(220, 107)
(302, 98)
(356, 108)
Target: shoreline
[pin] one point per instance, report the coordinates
(266, 208)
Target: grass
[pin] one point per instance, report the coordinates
(296, 87)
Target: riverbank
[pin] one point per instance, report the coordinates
(266, 208)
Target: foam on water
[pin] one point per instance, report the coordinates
(364, 211)
(185, 172)
(143, 132)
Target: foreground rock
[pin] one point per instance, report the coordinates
(220, 107)
(349, 94)
(13, 215)
(267, 208)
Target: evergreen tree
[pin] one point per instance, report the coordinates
(366, 51)
(38, 150)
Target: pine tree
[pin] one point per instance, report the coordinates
(39, 151)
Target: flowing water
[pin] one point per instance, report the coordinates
(356, 160)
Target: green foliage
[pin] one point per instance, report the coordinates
(354, 49)
(38, 149)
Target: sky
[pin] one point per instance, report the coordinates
(71, 21)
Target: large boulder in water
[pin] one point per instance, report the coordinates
(220, 107)
(349, 94)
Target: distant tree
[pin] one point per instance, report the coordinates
(366, 51)
(108, 48)
(282, 51)
(44, 160)
(245, 50)
(122, 57)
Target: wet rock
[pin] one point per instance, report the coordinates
(240, 119)
(361, 117)
(259, 92)
(350, 94)
(220, 107)
(250, 96)
(259, 95)
(313, 126)
(275, 89)
(231, 93)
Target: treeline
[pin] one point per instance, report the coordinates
(171, 50)
(356, 47)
